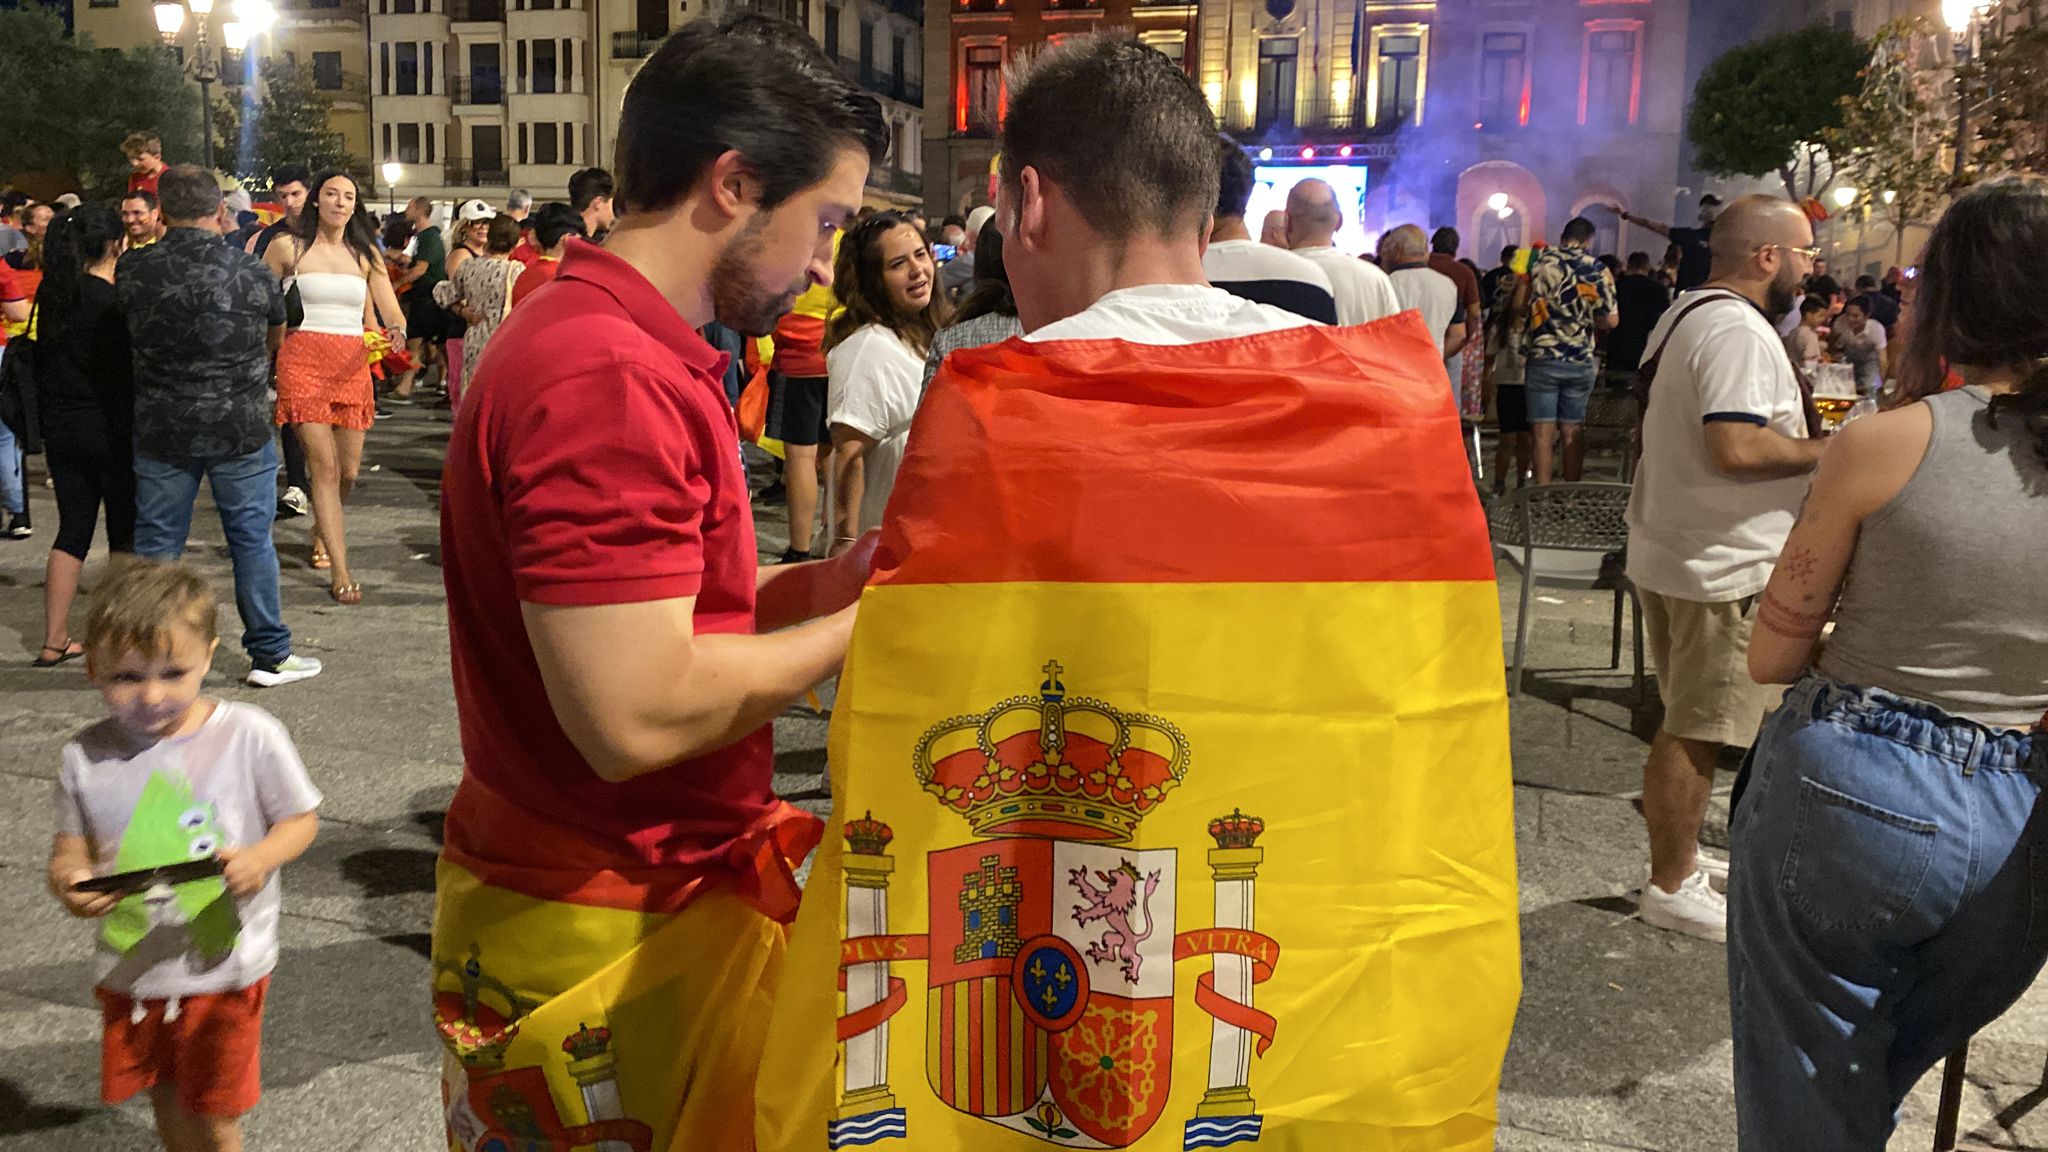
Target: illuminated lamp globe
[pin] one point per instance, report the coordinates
(1844, 197)
(1498, 202)
(170, 17)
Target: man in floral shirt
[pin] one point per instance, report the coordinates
(1569, 297)
(203, 319)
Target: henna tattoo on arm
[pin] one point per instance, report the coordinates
(1789, 622)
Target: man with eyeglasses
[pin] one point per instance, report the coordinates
(1727, 449)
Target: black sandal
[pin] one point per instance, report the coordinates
(64, 655)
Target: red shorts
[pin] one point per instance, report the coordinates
(210, 1052)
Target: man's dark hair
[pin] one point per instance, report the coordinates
(587, 185)
(188, 192)
(147, 197)
(1507, 254)
(554, 220)
(750, 84)
(1444, 241)
(1812, 304)
(1639, 261)
(1578, 231)
(285, 174)
(1121, 129)
(1234, 187)
(1866, 283)
(955, 221)
(1825, 287)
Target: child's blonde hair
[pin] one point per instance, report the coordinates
(138, 604)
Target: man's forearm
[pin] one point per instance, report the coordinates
(1768, 455)
(735, 684)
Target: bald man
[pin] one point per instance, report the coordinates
(1363, 292)
(1404, 253)
(1727, 448)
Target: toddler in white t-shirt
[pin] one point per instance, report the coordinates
(173, 777)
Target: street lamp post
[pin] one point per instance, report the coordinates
(1961, 16)
(256, 16)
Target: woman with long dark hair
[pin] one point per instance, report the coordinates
(988, 313)
(1886, 876)
(86, 394)
(874, 362)
(323, 369)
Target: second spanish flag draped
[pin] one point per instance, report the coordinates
(1171, 763)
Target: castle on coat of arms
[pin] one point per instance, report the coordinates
(1049, 993)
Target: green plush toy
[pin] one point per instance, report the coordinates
(171, 826)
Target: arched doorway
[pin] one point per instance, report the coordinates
(1610, 233)
(1500, 204)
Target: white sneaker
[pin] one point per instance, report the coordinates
(1695, 909)
(1716, 869)
(290, 670)
(295, 499)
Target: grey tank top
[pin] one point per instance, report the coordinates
(1946, 600)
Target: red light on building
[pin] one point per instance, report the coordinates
(1308, 153)
(1345, 152)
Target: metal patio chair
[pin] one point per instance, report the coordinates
(1548, 532)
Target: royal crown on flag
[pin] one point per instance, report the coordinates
(1236, 830)
(587, 1043)
(868, 836)
(1052, 766)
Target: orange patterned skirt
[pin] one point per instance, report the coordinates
(324, 378)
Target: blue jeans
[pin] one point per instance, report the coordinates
(1888, 897)
(245, 492)
(1558, 391)
(13, 497)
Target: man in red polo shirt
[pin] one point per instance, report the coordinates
(617, 874)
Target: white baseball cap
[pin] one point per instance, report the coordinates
(977, 218)
(476, 210)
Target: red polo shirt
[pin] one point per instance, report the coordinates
(596, 461)
(137, 182)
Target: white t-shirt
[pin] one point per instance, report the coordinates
(1695, 533)
(240, 765)
(1364, 293)
(1169, 314)
(1429, 292)
(873, 383)
(1270, 275)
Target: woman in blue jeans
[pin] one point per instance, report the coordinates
(1889, 879)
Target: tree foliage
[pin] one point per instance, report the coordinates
(287, 125)
(69, 103)
(1773, 106)
(2008, 87)
(1895, 130)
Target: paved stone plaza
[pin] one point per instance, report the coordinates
(1622, 1041)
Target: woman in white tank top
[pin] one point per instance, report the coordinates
(1888, 869)
(323, 371)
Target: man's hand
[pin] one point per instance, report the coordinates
(85, 905)
(847, 572)
(247, 870)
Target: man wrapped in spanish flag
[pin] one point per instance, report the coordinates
(617, 873)
(1170, 760)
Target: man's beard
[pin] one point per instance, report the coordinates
(1783, 294)
(736, 301)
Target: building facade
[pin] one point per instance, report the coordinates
(477, 97)
(331, 37)
(1505, 118)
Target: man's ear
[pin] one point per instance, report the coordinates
(1032, 208)
(733, 186)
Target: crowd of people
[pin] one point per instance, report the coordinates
(617, 660)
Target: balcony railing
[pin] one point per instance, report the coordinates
(881, 83)
(461, 175)
(1306, 120)
(635, 45)
(896, 180)
(474, 89)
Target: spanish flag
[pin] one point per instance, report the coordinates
(1173, 806)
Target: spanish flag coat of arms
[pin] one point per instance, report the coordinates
(1173, 807)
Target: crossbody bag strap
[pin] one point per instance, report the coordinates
(1689, 309)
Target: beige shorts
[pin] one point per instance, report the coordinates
(1701, 655)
